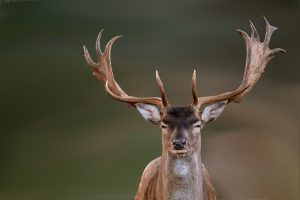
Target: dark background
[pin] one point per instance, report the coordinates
(63, 137)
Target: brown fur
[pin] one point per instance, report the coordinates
(147, 189)
(174, 176)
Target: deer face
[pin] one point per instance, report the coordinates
(181, 130)
(181, 126)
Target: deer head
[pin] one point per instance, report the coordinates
(181, 125)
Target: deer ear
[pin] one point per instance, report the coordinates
(213, 111)
(149, 112)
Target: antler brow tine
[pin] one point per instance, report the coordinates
(165, 102)
(194, 89)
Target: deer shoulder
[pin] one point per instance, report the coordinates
(148, 181)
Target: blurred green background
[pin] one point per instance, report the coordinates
(62, 137)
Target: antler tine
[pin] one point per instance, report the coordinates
(107, 60)
(258, 55)
(88, 58)
(103, 72)
(194, 89)
(163, 95)
(98, 47)
(269, 31)
(254, 33)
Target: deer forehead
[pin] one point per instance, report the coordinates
(180, 115)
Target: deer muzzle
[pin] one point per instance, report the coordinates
(179, 144)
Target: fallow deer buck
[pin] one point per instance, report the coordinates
(178, 174)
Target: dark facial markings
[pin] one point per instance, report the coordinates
(179, 125)
(180, 117)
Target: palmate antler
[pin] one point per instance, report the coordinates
(103, 72)
(257, 57)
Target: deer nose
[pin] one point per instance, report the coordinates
(179, 143)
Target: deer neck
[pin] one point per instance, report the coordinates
(181, 177)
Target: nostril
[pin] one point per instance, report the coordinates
(179, 143)
(175, 142)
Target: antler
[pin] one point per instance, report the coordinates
(103, 72)
(257, 57)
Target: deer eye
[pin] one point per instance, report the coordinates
(163, 125)
(197, 125)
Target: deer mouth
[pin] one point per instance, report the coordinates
(181, 153)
